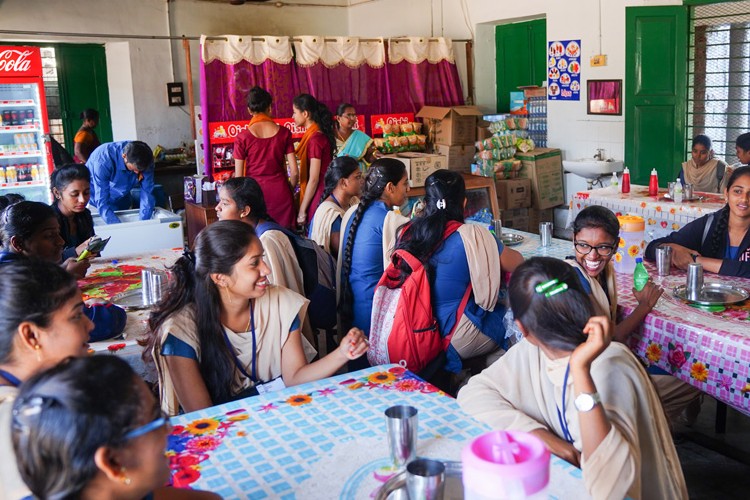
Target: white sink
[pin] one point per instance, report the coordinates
(591, 168)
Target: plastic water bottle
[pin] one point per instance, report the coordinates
(678, 191)
(615, 183)
(640, 275)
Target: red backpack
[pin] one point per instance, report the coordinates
(403, 329)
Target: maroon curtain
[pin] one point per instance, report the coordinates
(425, 84)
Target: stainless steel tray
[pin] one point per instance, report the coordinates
(714, 294)
(512, 239)
(684, 199)
(132, 300)
(395, 487)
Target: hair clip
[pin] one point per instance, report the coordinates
(29, 409)
(441, 204)
(189, 255)
(550, 288)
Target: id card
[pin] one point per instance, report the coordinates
(274, 385)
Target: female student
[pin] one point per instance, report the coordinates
(720, 241)
(351, 142)
(343, 186)
(30, 230)
(263, 152)
(223, 332)
(369, 238)
(314, 151)
(702, 170)
(71, 187)
(587, 398)
(469, 257)
(595, 236)
(86, 140)
(83, 436)
(42, 323)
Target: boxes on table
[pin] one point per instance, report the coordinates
(450, 125)
(458, 158)
(515, 218)
(513, 193)
(544, 167)
(420, 165)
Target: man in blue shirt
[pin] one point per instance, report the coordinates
(116, 168)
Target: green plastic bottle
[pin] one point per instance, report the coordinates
(640, 275)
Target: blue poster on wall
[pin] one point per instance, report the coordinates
(564, 70)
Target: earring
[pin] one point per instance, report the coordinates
(229, 295)
(125, 479)
(37, 350)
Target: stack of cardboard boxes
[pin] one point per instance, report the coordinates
(530, 199)
(452, 132)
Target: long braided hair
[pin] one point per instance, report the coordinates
(719, 234)
(340, 168)
(381, 172)
(320, 114)
(445, 193)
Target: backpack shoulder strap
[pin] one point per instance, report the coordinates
(709, 222)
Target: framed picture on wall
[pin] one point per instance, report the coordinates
(604, 97)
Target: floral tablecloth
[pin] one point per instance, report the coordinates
(105, 279)
(710, 350)
(662, 215)
(323, 440)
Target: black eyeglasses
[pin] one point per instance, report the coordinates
(603, 250)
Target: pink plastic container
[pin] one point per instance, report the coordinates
(505, 465)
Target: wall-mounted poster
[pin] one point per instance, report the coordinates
(564, 70)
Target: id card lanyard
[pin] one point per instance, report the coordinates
(561, 416)
(253, 375)
(12, 379)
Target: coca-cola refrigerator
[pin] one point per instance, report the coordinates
(25, 153)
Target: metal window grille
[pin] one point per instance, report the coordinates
(52, 93)
(718, 100)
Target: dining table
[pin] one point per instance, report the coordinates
(325, 440)
(109, 278)
(707, 348)
(660, 213)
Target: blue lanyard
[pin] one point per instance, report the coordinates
(560, 416)
(12, 379)
(253, 374)
(335, 200)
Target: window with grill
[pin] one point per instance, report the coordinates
(719, 75)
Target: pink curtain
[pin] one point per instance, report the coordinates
(424, 84)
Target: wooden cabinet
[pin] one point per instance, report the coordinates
(198, 217)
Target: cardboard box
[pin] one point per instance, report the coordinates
(459, 158)
(483, 132)
(544, 167)
(420, 165)
(513, 193)
(536, 216)
(515, 218)
(450, 125)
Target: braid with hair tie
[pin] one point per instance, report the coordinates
(719, 234)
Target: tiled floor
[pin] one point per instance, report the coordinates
(710, 474)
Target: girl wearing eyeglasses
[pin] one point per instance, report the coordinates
(350, 141)
(595, 236)
(42, 323)
(104, 436)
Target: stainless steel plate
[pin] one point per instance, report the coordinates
(694, 198)
(512, 239)
(132, 300)
(395, 487)
(714, 294)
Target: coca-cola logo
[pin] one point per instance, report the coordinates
(17, 61)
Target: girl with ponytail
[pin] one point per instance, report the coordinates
(222, 330)
(315, 151)
(468, 261)
(720, 241)
(343, 186)
(369, 237)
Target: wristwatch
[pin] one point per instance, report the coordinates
(586, 402)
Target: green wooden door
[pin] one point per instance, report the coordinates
(520, 58)
(656, 40)
(82, 73)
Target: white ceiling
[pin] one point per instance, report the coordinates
(330, 3)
